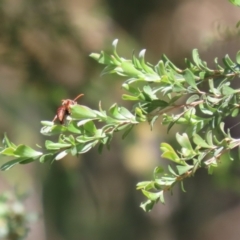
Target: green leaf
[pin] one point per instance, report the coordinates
(136, 62)
(172, 171)
(235, 112)
(25, 151)
(218, 151)
(74, 127)
(114, 111)
(46, 157)
(126, 113)
(148, 91)
(213, 99)
(104, 58)
(85, 139)
(171, 65)
(95, 56)
(235, 2)
(229, 156)
(183, 140)
(142, 185)
(160, 68)
(71, 139)
(11, 163)
(153, 120)
(8, 152)
(52, 130)
(228, 63)
(183, 169)
(129, 69)
(100, 147)
(200, 142)
(166, 180)
(82, 112)
(120, 113)
(158, 171)
(217, 65)
(152, 196)
(169, 153)
(238, 53)
(7, 143)
(202, 75)
(143, 64)
(55, 146)
(127, 97)
(204, 109)
(182, 186)
(108, 70)
(162, 197)
(62, 154)
(73, 151)
(188, 63)
(130, 88)
(147, 206)
(127, 131)
(90, 128)
(214, 90)
(221, 125)
(192, 99)
(29, 160)
(190, 78)
(226, 90)
(114, 44)
(196, 58)
(83, 148)
(150, 186)
(209, 138)
(211, 168)
(47, 123)
(82, 122)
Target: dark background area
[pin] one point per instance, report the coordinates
(44, 57)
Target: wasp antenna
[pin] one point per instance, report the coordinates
(76, 98)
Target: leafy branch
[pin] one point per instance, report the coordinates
(197, 98)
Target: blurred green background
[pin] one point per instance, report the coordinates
(44, 57)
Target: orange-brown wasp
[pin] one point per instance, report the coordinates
(64, 110)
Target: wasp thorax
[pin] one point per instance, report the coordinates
(64, 110)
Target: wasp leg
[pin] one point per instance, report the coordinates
(55, 118)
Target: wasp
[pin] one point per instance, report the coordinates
(64, 110)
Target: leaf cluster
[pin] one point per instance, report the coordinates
(197, 98)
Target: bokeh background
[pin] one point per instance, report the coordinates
(44, 57)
